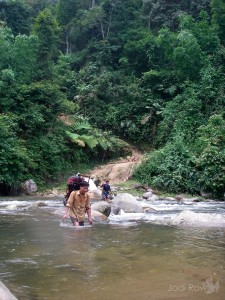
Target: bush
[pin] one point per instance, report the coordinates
(179, 167)
(170, 168)
(210, 147)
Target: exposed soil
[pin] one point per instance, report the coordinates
(118, 171)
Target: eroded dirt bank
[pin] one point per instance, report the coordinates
(120, 170)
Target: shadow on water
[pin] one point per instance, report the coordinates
(42, 258)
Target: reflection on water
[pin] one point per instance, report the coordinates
(43, 259)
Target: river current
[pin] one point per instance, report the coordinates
(133, 256)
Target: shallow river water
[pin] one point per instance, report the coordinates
(134, 256)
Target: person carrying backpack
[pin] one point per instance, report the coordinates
(78, 204)
(73, 184)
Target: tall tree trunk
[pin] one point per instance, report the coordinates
(102, 30)
(110, 22)
(67, 43)
(93, 4)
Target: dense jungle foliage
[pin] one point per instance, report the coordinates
(77, 77)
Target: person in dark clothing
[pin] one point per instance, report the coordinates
(105, 190)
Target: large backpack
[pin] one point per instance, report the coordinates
(73, 184)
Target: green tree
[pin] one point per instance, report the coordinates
(203, 30)
(68, 14)
(47, 30)
(161, 13)
(182, 115)
(14, 156)
(24, 58)
(19, 54)
(171, 168)
(218, 17)
(139, 50)
(210, 147)
(16, 15)
(188, 56)
(6, 41)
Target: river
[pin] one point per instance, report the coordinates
(134, 256)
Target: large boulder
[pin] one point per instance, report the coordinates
(98, 217)
(115, 210)
(147, 195)
(190, 218)
(40, 204)
(103, 207)
(5, 293)
(153, 198)
(127, 203)
(96, 194)
(206, 194)
(29, 187)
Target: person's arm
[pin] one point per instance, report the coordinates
(89, 216)
(66, 212)
(88, 209)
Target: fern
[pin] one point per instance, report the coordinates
(75, 138)
(104, 144)
(89, 140)
(85, 135)
(79, 125)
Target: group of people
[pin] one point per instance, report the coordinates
(77, 199)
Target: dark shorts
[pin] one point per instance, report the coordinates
(73, 220)
(105, 195)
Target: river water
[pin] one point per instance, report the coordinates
(134, 256)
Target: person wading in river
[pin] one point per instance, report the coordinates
(77, 204)
(105, 190)
(73, 184)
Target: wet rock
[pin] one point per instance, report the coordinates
(149, 209)
(179, 198)
(153, 198)
(206, 194)
(190, 218)
(140, 187)
(115, 210)
(170, 199)
(40, 204)
(197, 200)
(29, 187)
(190, 200)
(5, 293)
(98, 217)
(103, 207)
(127, 203)
(147, 195)
(96, 194)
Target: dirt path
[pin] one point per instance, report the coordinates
(120, 170)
